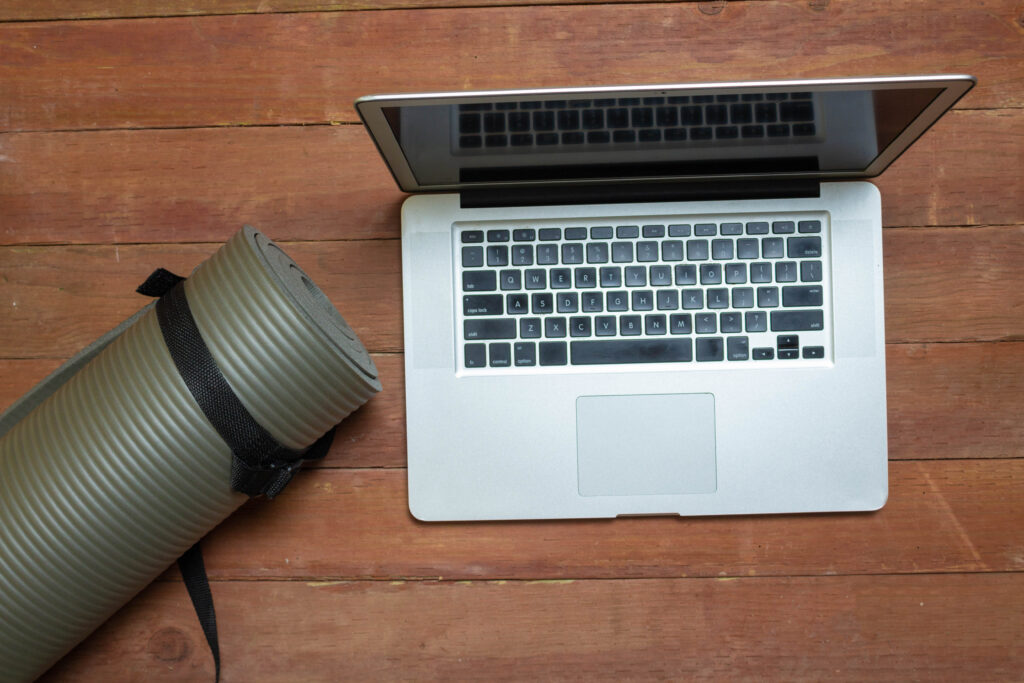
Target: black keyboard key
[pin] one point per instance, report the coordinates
(605, 326)
(603, 232)
(472, 257)
(600, 136)
(732, 228)
(737, 348)
(636, 276)
(518, 304)
(543, 120)
(711, 274)
(482, 304)
(752, 131)
(553, 353)
(672, 250)
(649, 135)
(746, 248)
(788, 354)
(561, 278)
(550, 234)
(593, 118)
(519, 121)
(479, 281)
(554, 327)
(686, 274)
(721, 249)
(497, 235)
(627, 231)
(693, 299)
(525, 354)
(705, 229)
(806, 295)
(710, 349)
(629, 325)
(706, 323)
(489, 328)
(547, 254)
(547, 138)
(727, 132)
(622, 252)
(702, 133)
(667, 116)
(497, 255)
(675, 134)
(501, 354)
(804, 129)
(668, 299)
(524, 235)
(778, 130)
(575, 233)
(496, 141)
(679, 323)
(646, 252)
(742, 297)
(579, 326)
(767, 297)
(736, 273)
(585, 278)
(618, 301)
(510, 280)
(661, 276)
(475, 355)
(616, 351)
(529, 328)
(755, 321)
(611, 276)
(814, 352)
(572, 253)
(757, 228)
(469, 123)
(521, 139)
(760, 272)
(796, 111)
(679, 230)
(567, 302)
(643, 300)
(494, 123)
(785, 271)
(810, 226)
(741, 113)
(772, 247)
(716, 115)
(730, 323)
(542, 303)
(643, 117)
(718, 297)
(792, 321)
(788, 341)
(654, 324)
(653, 231)
(592, 302)
(472, 236)
(536, 278)
(804, 247)
(697, 250)
(763, 353)
(783, 227)
(765, 112)
(691, 116)
(522, 255)
(810, 271)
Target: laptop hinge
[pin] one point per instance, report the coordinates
(640, 192)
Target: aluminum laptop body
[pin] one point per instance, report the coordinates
(647, 300)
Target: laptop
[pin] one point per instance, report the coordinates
(647, 300)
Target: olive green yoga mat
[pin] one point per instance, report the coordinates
(109, 470)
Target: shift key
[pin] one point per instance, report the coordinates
(490, 328)
(794, 321)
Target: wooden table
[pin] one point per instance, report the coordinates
(141, 134)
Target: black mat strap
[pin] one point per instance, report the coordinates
(193, 571)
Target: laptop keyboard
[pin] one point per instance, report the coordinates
(636, 120)
(735, 291)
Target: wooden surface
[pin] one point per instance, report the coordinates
(140, 134)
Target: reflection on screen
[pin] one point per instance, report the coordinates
(657, 135)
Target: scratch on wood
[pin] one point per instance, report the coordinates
(712, 8)
(953, 518)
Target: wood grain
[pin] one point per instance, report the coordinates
(261, 69)
(859, 628)
(328, 182)
(945, 401)
(46, 289)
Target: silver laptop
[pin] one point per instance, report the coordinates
(647, 300)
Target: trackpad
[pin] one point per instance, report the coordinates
(652, 444)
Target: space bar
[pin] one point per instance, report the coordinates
(631, 351)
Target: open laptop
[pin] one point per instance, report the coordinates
(647, 300)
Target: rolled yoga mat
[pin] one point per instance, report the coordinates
(109, 470)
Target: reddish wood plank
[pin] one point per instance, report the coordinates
(942, 516)
(308, 68)
(326, 182)
(945, 401)
(850, 628)
(59, 299)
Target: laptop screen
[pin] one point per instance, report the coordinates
(542, 137)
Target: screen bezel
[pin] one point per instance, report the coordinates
(371, 111)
